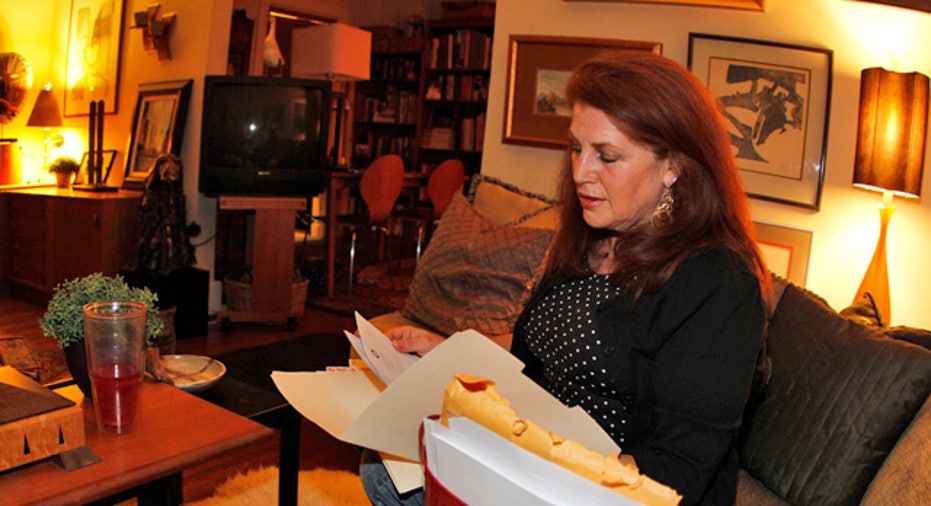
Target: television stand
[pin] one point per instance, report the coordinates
(273, 258)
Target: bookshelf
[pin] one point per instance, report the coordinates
(457, 67)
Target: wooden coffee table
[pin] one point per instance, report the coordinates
(176, 430)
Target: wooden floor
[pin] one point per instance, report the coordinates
(318, 449)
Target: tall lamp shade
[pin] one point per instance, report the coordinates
(336, 52)
(890, 157)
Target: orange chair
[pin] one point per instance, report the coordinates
(445, 180)
(380, 187)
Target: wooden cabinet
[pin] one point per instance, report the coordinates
(49, 235)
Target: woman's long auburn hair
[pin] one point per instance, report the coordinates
(661, 105)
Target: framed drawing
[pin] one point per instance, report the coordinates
(108, 156)
(93, 62)
(776, 100)
(785, 249)
(538, 68)
(753, 5)
(157, 128)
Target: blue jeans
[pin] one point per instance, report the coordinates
(379, 487)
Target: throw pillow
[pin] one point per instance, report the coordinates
(475, 273)
(840, 396)
(864, 311)
(508, 205)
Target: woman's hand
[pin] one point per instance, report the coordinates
(410, 339)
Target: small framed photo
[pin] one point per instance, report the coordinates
(157, 128)
(776, 101)
(536, 113)
(786, 250)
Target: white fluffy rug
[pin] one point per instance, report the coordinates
(317, 487)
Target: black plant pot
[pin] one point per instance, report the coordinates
(76, 358)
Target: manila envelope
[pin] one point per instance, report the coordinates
(357, 408)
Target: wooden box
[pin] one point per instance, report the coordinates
(35, 423)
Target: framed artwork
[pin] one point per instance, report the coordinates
(157, 128)
(108, 156)
(753, 5)
(785, 249)
(776, 100)
(536, 113)
(93, 62)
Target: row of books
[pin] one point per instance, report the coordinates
(467, 137)
(461, 49)
(395, 69)
(467, 87)
(375, 145)
(397, 106)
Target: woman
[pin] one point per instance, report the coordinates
(650, 313)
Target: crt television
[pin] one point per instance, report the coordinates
(264, 136)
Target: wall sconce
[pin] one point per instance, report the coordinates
(335, 52)
(155, 30)
(890, 157)
(47, 114)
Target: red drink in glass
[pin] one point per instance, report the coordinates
(116, 396)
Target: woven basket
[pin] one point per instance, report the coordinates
(239, 295)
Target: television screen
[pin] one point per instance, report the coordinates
(264, 136)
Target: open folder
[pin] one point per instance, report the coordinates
(358, 408)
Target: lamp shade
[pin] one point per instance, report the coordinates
(891, 131)
(336, 52)
(46, 112)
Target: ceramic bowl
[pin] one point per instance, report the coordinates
(193, 373)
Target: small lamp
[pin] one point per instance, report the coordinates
(335, 52)
(890, 156)
(47, 114)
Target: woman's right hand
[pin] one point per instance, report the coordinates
(410, 339)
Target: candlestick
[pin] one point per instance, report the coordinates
(91, 144)
(99, 165)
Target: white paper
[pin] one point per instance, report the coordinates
(480, 467)
(378, 352)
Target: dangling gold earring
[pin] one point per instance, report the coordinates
(662, 216)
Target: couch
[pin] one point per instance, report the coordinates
(845, 417)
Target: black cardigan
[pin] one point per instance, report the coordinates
(689, 351)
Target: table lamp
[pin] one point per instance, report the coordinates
(890, 157)
(335, 52)
(47, 114)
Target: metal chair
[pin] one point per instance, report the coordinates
(380, 187)
(445, 180)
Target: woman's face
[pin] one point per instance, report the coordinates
(618, 182)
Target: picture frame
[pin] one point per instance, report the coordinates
(537, 70)
(776, 101)
(109, 155)
(92, 64)
(157, 128)
(785, 249)
(753, 5)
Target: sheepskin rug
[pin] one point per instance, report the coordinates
(317, 487)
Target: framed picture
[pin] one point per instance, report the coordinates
(93, 61)
(108, 156)
(536, 113)
(753, 5)
(785, 249)
(776, 100)
(158, 128)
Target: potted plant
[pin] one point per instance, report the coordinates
(64, 316)
(64, 169)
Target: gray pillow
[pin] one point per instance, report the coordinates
(840, 396)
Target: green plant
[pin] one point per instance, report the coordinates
(65, 165)
(64, 317)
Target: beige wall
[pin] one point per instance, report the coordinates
(846, 227)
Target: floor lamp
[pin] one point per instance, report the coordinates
(890, 157)
(335, 52)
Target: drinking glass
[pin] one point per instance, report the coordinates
(114, 334)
